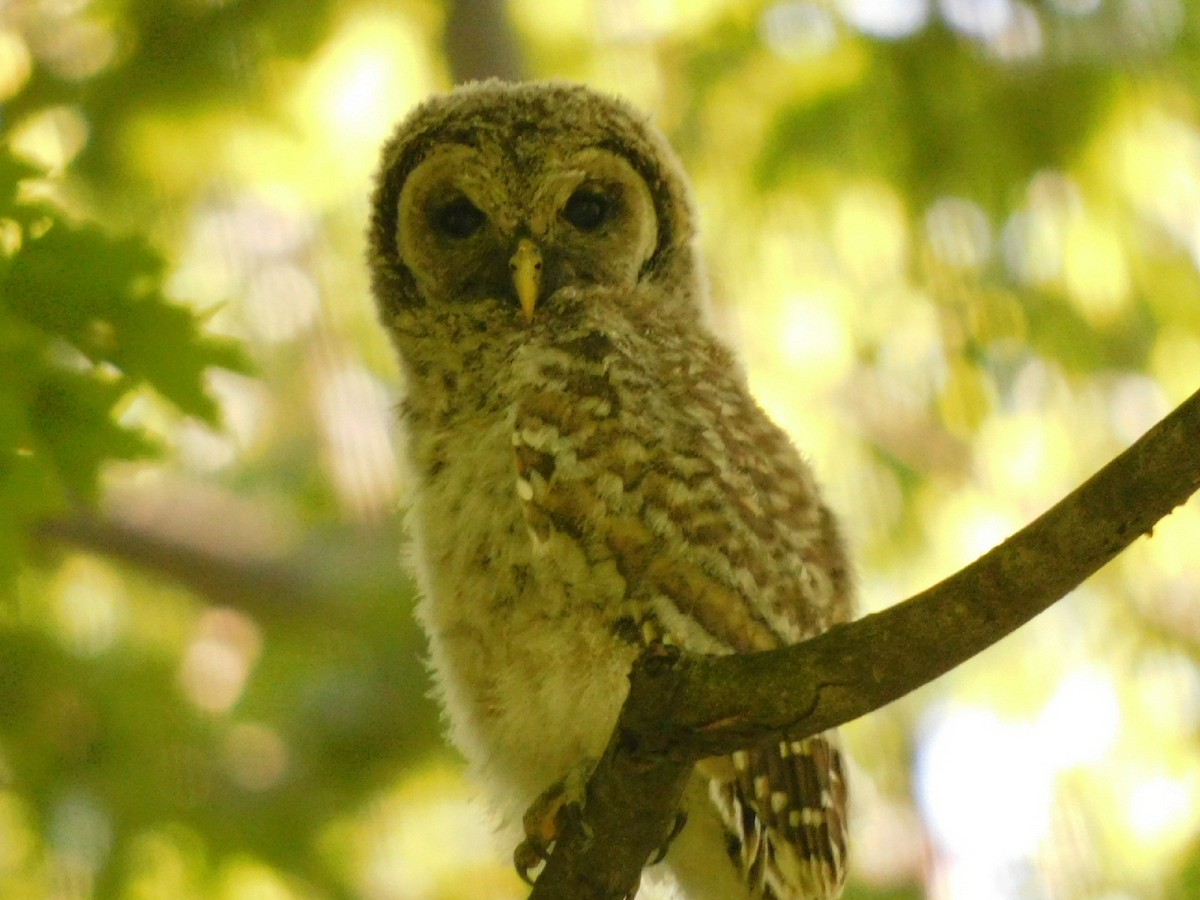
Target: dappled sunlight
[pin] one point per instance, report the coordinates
(243, 878)
(73, 46)
(984, 19)
(1162, 815)
(1135, 403)
(890, 839)
(354, 414)
(1172, 548)
(1094, 271)
(255, 756)
(219, 658)
(891, 21)
(168, 862)
(1027, 459)
(1036, 235)
(959, 233)
(956, 244)
(1174, 358)
(969, 523)
(910, 355)
(1020, 39)
(1154, 157)
(965, 397)
(92, 608)
(80, 834)
(870, 235)
(16, 63)
(1081, 721)
(1026, 771)
(252, 247)
(370, 72)
(973, 759)
(221, 521)
(281, 301)
(52, 137)
(424, 839)
(815, 340)
(246, 406)
(798, 32)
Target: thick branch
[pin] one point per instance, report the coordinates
(682, 709)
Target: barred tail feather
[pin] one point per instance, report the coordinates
(784, 814)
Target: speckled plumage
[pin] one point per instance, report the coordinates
(597, 475)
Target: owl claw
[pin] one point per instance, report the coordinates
(542, 828)
(660, 854)
(528, 856)
(546, 817)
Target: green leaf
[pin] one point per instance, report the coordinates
(100, 294)
(83, 324)
(73, 429)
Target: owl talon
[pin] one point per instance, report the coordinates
(527, 857)
(546, 817)
(541, 830)
(660, 854)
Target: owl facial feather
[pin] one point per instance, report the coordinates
(521, 154)
(464, 210)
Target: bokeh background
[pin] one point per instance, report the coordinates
(956, 242)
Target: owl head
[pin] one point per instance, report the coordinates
(502, 195)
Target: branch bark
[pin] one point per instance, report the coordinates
(683, 708)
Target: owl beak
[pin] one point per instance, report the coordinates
(526, 268)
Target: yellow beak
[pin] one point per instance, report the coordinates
(526, 267)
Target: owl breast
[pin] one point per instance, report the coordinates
(526, 656)
(596, 480)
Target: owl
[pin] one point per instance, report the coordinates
(590, 472)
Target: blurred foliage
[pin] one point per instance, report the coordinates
(84, 326)
(957, 243)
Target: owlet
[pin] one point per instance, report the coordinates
(590, 471)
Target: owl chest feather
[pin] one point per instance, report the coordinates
(521, 630)
(573, 485)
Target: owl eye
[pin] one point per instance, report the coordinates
(587, 209)
(458, 219)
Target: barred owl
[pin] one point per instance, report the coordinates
(590, 470)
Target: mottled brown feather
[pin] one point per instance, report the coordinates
(599, 476)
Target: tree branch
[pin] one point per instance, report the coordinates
(684, 708)
(340, 577)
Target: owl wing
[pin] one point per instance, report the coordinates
(652, 461)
